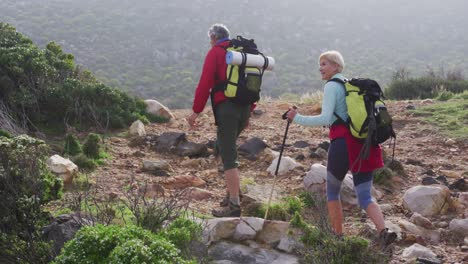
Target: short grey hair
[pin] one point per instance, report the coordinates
(219, 31)
(335, 57)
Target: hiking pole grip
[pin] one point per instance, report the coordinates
(284, 116)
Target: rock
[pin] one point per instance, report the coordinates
(420, 220)
(191, 149)
(183, 181)
(244, 232)
(414, 162)
(261, 192)
(198, 194)
(450, 142)
(442, 224)
(315, 178)
(301, 144)
(432, 235)
(463, 198)
(156, 108)
(459, 185)
(427, 101)
(459, 226)
(137, 129)
(325, 145)
(258, 112)
(227, 252)
(168, 141)
(272, 232)
(410, 107)
(62, 229)
(220, 228)
(321, 153)
(386, 208)
(287, 164)
(427, 200)
(62, 167)
(417, 251)
(429, 181)
(156, 165)
(252, 147)
(153, 190)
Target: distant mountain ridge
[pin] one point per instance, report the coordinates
(156, 48)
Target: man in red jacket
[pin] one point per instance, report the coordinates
(230, 118)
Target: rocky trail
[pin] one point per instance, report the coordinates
(428, 158)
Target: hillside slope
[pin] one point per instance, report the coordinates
(420, 148)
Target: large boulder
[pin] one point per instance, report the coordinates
(427, 200)
(63, 167)
(156, 108)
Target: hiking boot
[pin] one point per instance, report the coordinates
(386, 237)
(225, 201)
(227, 211)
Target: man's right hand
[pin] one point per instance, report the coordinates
(191, 119)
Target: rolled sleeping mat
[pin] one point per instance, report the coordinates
(235, 58)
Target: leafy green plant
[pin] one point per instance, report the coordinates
(3, 133)
(84, 163)
(181, 232)
(444, 96)
(116, 244)
(91, 147)
(72, 145)
(26, 184)
(294, 204)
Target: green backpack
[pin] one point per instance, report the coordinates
(369, 119)
(243, 84)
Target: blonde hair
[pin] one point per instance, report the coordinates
(335, 57)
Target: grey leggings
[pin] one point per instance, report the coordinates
(337, 167)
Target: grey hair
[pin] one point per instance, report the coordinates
(219, 31)
(335, 57)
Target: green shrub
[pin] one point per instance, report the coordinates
(3, 133)
(157, 118)
(424, 87)
(72, 145)
(307, 199)
(115, 244)
(84, 163)
(383, 175)
(91, 147)
(26, 184)
(297, 221)
(294, 204)
(181, 232)
(444, 96)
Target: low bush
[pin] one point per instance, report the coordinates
(72, 145)
(91, 147)
(115, 244)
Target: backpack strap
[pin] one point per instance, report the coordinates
(339, 120)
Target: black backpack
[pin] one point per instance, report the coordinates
(369, 119)
(243, 83)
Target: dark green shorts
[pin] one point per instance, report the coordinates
(231, 120)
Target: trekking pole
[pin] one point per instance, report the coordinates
(278, 164)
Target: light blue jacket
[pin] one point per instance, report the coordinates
(334, 100)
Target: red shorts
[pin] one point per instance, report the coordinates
(354, 146)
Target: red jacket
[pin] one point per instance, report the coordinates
(214, 72)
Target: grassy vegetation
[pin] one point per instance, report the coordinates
(450, 116)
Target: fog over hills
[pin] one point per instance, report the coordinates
(155, 48)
